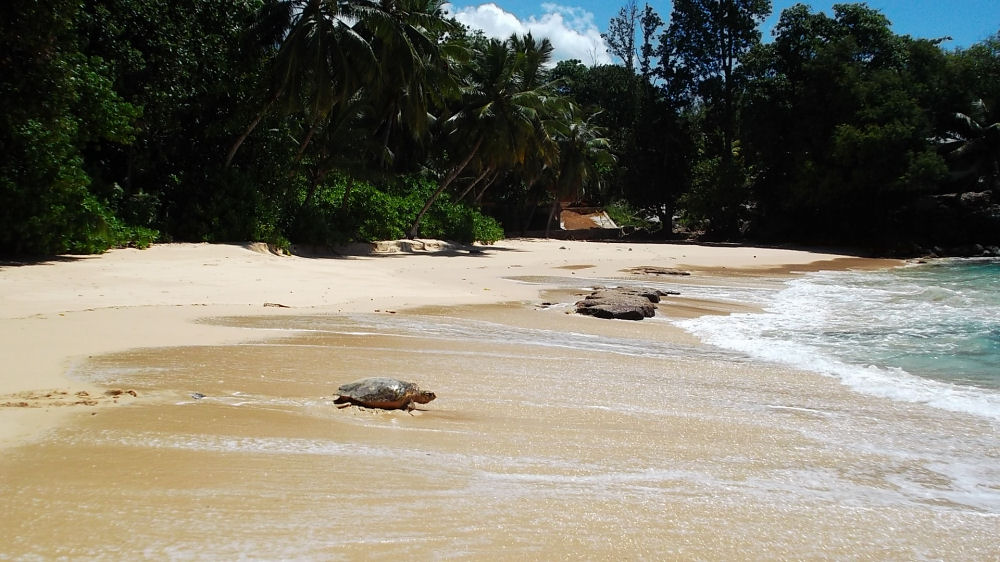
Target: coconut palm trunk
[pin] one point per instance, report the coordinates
(444, 185)
(482, 191)
(253, 125)
(474, 184)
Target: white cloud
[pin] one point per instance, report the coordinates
(570, 29)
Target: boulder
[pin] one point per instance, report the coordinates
(622, 303)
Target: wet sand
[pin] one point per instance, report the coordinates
(531, 451)
(554, 436)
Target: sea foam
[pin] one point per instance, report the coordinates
(925, 334)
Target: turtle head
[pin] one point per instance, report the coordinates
(424, 396)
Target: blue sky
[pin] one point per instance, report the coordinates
(574, 26)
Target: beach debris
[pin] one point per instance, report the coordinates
(622, 303)
(384, 393)
(275, 305)
(197, 395)
(656, 270)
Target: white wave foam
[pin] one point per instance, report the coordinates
(839, 323)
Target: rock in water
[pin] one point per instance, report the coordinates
(384, 393)
(656, 270)
(622, 303)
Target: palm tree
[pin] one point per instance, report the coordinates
(414, 61)
(583, 152)
(974, 147)
(500, 112)
(329, 50)
(320, 61)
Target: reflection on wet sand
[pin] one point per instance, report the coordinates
(552, 436)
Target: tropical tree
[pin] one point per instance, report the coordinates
(361, 135)
(621, 34)
(835, 129)
(414, 80)
(584, 156)
(973, 152)
(58, 104)
(501, 110)
(701, 54)
(321, 59)
(650, 22)
(973, 148)
(180, 62)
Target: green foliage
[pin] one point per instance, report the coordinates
(386, 212)
(453, 221)
(446, 219)
(627, 216)
(122, 120)
(701, 57)
(838, 127)
(59, 103)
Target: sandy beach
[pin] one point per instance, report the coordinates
(54, 314)
(175, 403)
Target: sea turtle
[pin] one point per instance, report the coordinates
(383, 392)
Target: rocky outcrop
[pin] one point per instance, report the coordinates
(622, 303)
(955, 224)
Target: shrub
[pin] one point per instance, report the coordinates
(385, 212)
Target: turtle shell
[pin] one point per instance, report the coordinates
(383, 392)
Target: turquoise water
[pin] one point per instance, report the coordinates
(920, 333)
(944, 321)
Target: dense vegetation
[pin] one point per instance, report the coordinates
(323, 121)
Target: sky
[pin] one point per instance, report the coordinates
(575, 26)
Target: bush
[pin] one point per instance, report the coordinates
(386, 212)
(625, 215)
(447, 219)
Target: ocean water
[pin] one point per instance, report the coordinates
(926, 333)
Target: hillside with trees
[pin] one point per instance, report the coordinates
(318, 122)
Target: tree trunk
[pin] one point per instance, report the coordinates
(306, 141)
(473, 184)
(253, 125)
(479, 196)
(385, 141)
(526, 222)
(317, 178)
(552, 214)
(447, 181)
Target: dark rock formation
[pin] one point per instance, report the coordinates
(955, 224)
(622, 303)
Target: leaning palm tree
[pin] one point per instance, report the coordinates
(327, 51)
(414, 57)
(320, 59)
(500, 110)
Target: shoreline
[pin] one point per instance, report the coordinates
(620, 438)
(57, 313)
